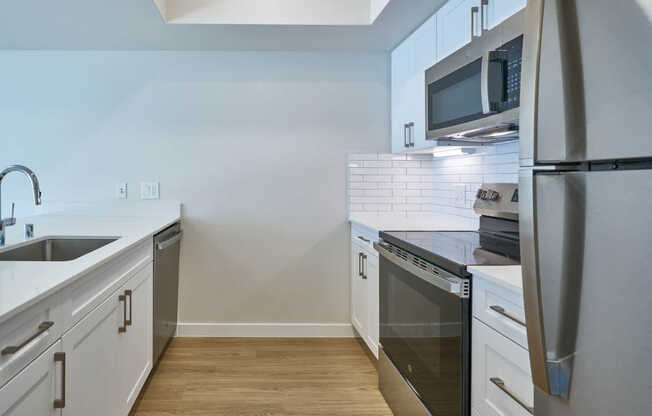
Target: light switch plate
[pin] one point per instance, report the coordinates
(149, 190)
(121, 190)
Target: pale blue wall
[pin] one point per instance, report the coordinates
(253, 143)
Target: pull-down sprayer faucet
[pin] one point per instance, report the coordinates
(37, 196)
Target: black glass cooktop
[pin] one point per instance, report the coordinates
(455, 250)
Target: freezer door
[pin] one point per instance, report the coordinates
(586, 91)
(586, 252)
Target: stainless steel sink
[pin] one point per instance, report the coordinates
(55, 249)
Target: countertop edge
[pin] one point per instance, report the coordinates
(496, 275)
(85, 271)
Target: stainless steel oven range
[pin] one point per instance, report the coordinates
(425, 305)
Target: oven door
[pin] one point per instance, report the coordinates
(425, 332)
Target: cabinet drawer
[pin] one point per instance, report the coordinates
(364, 239)
(501, 309)
(501, 377)
(90, 291)
(25, 336)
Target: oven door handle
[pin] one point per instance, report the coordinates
(450, 284)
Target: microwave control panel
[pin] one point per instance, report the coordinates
(508, 57)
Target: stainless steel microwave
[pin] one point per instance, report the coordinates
(472, 96)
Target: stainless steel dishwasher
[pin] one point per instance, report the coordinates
(166, 286)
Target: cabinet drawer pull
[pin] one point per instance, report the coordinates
(123, 328)
(61, 357)
(43, 326)
(364, 262)
(129, 293)
(501, 385)
(474, 20)
(500, 310)
(359, 264)
(363, 239)
(405, 138)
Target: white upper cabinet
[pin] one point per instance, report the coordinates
(409, 63)
(454, 25)
(499, 10)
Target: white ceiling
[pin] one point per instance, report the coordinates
(137, 25)
(269, 12)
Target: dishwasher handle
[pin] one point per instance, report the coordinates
(162, 245)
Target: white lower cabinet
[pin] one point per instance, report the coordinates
(135, 346)
(33, 391)
(92, 372)
(501, 377)
(365, 315)
(109, 352)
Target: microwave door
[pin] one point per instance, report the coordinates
(587, 92)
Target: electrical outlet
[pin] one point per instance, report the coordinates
(149, 190)
(121, 190)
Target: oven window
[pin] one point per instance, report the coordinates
(423, 332)
(456, 98)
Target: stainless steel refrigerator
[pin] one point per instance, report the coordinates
(586, 205)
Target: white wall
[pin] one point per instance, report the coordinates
(411, 185)
(254, 144)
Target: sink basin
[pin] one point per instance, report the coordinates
(55, 249)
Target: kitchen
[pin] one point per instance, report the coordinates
(383, 207)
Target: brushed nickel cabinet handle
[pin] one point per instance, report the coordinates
(129, 293)
(359, 264)
(405, 136)
(61, 357)
(43, 326)
(484, 16)
(364, 261)
(363, 239)
(500, 310)
(123, 328)
(501, 385)
(474, 16)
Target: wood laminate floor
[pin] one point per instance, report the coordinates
(263, 377)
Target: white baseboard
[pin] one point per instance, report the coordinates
(264, 330)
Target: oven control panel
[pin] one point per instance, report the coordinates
(497, 200)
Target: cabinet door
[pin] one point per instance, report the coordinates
(91, 349)
(372, 290)
(32, 392)
(424, 57)
(500, 375)
(135, 352)
(358, 295)
(453, 25)
(401, 61)
(500, 10)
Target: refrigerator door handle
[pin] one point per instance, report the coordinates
(551, 324)
(531, 295)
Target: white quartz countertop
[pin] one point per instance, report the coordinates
(378, 223)
(506, 276)
(24, 283)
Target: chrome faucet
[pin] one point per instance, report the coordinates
(6, 222)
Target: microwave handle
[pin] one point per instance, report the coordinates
(488, 91)
(484, 86)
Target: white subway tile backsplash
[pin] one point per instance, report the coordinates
(391, 171)
(363, 185)
(407, 163)
(363, 171)
(378, 164)
(363, 156)
(421, 184)
(377, 178)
